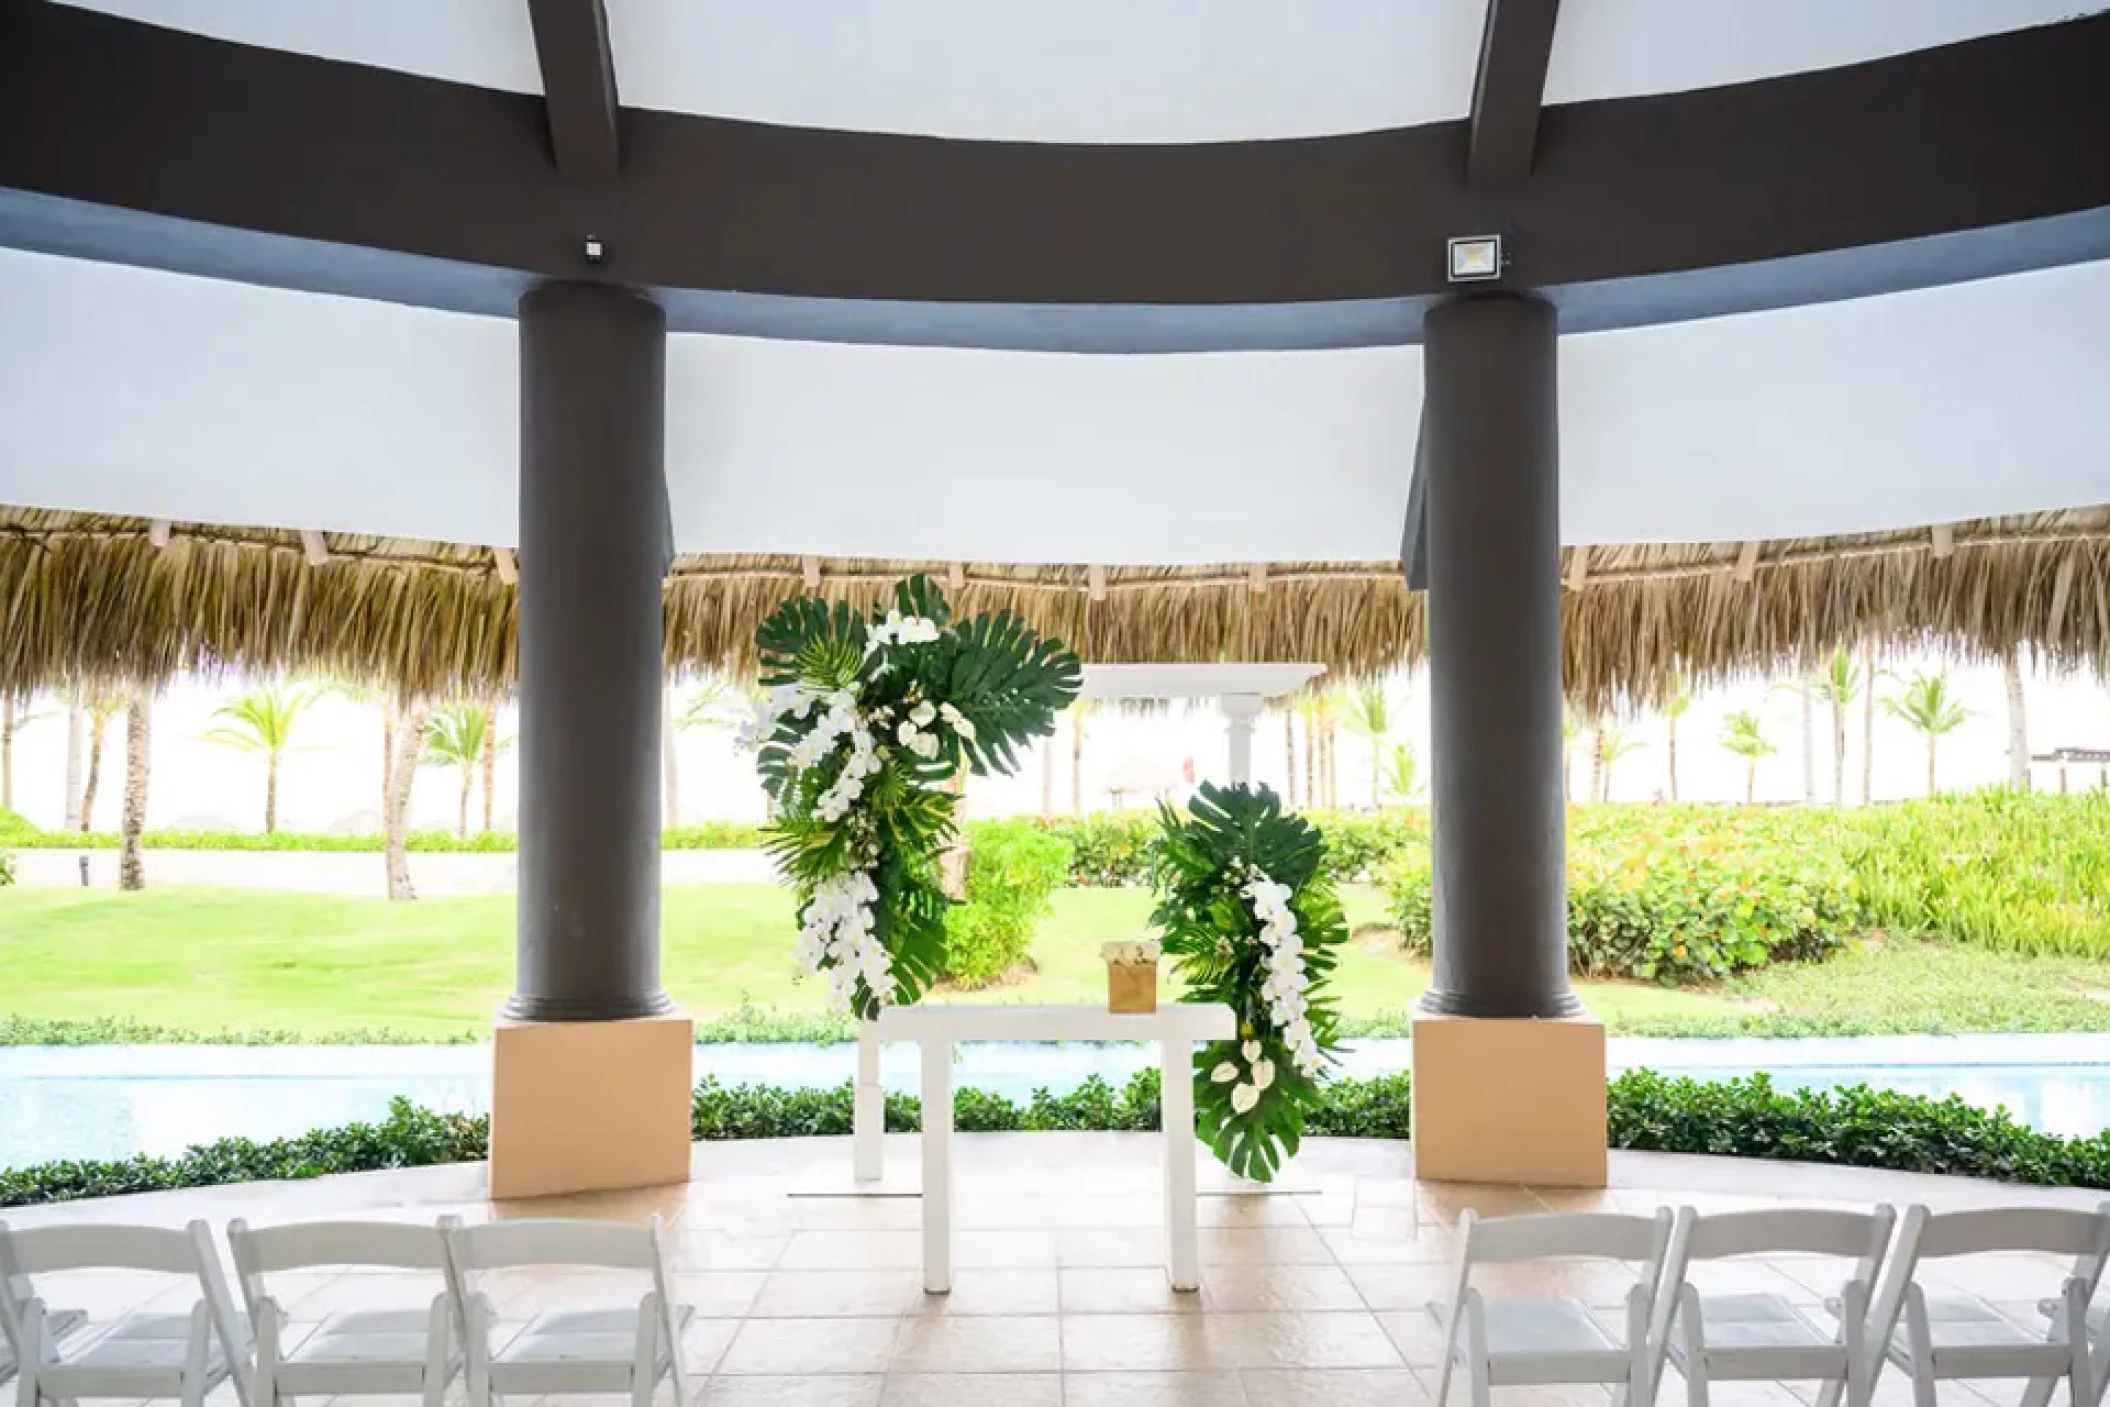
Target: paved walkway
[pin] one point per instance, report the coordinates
(338, 873)
(1307, 1301)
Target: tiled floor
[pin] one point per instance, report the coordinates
(1060, 1301)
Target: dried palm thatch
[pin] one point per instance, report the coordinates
(93, 599)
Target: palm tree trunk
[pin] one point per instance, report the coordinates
(1597, 759)
(410, 728)
(1077, 762)
(1330, 739)
(1289, 756)
(1376, 765)
(76, 748)
(1868, 731)
(1838, 750)
(98, 731)
(669, 760)
(1311, 763)
(1751, 781)
(271, 794)
(461, 820)
(2017, 721)
(1933, 742)
(139, 722)
(1809, 746)
(388, 756)
(1047, 777)
(1670, 746)
(7, 753)
(490, 770)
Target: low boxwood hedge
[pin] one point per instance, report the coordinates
(1741, 1118)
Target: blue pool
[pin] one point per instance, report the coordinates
(111, 1101)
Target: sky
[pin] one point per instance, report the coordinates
(332, 780)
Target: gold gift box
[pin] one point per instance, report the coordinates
(1131, 986)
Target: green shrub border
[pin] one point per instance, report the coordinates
(1739, 1118)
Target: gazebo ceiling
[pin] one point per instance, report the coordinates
(1906, 167)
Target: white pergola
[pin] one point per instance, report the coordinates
(1242, 690)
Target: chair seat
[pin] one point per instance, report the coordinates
(142, 1353)
(576, 1350)
(363, 1351)
(1756, 1321)
(1971, 1338)
(1547, 1340)
(57, 1323)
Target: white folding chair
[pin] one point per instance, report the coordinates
(1500, 1342)
(138, 1355)
(2039, 1391)
(15, 1294)
(357, 1352)
(1762, 1337)
(1966, 1336)
(570, 1351)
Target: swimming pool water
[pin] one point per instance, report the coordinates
(114, 1101)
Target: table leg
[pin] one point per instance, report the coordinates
(1177, 1106)
(937, 1165)
(868, 1116)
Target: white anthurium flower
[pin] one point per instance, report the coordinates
(1224, 1073)
(1263, 1073)
(1251, 1051)
(1244, 1097)
(922, 714)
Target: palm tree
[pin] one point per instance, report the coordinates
(457, 736)
(1613, 743)
(1745, 736)
(716, 703)
(1326, 710)
(1930, 708)
(1370, 718)
(395, 815)
(1677, 699)
(12, 721)
(2017, 721)
(261, 723)
(1080, 713)
(1289, 752)
(100, 710)
(1837, 683)
(1568, 732)
(360, 692)
(1402, 772)
(1868, 728)
(139, 720)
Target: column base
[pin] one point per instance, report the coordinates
(583, 1106)
(1509, 1101)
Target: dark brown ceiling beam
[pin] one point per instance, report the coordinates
(1508, 89)
(578, 87)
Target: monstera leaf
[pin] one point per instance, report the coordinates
(1007, 681)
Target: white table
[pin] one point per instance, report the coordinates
(1175, 1027)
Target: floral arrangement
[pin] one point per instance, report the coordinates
(1131, 954)
(867, 719)
(1250, 918)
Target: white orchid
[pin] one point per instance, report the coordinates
(923, 715)
(1286, 988)
(956, 721)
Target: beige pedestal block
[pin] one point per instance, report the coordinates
(1509, 1101)
(587, 1105)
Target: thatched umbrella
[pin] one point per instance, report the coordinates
(96, 599)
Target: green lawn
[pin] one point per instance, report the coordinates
(213, 960)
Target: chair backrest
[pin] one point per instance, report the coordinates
(41, 1250)
(1605, 1235)
(1928, 1235)
(1862, 1236)
(261, 1251)
(616, 1245)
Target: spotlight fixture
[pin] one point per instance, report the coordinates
(1476, 258)
(595, 250)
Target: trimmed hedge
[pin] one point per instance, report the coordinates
(1741, 1118)
(1013, 871)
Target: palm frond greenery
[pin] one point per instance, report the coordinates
(88, 599)
(1206, 856)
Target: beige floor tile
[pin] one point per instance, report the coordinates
(718, 1250)
(1730, 1394)
(836, 1294)
(853, 1250)
(1135, 1247)
(973, 1390)
(802, 1347)
(1124, 1290)
(1416, 1336)
(1237, 1288)
(1349, 1248)
(1137, 1342)
(615, 1290)
(1002, 1250)
(1299, 1340)
(1201, 1389)
(1394, 1287)
(842, 1391)
(1605, 1284)
(857, 1213)
(1445, 1202)
(704, 1342)
(1334, 1387)
(1267, 1245)
(719, 1294)
(981, 1292)
(990, 1344)
(1112, 1213)
(1251, 1210)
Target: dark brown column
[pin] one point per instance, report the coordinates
(594, 547)
(1493, 501)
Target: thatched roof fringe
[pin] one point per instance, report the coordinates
(88, 598)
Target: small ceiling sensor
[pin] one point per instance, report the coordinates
(596, 252)
(1475, 258)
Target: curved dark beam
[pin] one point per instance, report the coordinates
(578, 86)
(1941, 165)
(1508, 87)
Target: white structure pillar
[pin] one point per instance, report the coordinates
(1239, 712)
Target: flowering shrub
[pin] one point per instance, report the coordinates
(1252, 921)
(1676, 895)
(866, 720)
